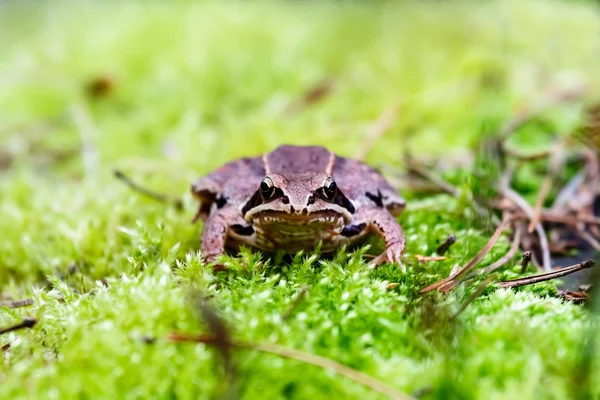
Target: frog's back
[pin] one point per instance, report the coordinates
(288, 159)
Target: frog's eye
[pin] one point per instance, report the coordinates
(267, 188)
(329, 188)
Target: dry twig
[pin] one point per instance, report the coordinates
(518, 200)
(473, 296)
(421, 258)
(299, 298)
(514, 247)
(16, 304)
(537, 209)
(443, 248)
(161, 198)
(301, 356)
(526, 261)
(473, 262)
(26, 323)
(547, 276)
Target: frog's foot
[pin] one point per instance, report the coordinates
(216, 264)
(382, 223)
(392, 254)
(214, 236)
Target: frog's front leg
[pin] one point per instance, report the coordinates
(215, 233)
(383, 224)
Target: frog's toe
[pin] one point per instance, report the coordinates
(392, 254)
(213, 260)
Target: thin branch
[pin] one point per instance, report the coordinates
(589, 238)
(526, 261)
(474, 261)
(523, 156)
(473, 296)
(549, 215)
(299, 298)
(26, 323)
(301, 356)
(383, 123)
(445, 186)
(547, 276)
(161, 198)
(514, 247)
(221, 339)
(16, 304)
(539, 202)
(575, 297)
(567, 192)
(433, 178)
(443, 248)
(421, 258)
(523, 205)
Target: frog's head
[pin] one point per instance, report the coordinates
(299, 199)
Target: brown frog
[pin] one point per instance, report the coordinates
(293, 198)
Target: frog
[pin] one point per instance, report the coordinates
(295, 198)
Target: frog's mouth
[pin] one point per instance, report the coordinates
(324, 217)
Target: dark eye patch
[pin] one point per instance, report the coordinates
(257, 199)
(340, 199)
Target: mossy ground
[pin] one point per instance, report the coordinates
(199, 84)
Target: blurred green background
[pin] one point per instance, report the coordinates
(168, 91)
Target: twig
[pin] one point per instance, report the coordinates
(299, 298)
(377, 130)
(221, 338)
(549, 215)
(585, 235)
(16, 304)
(161, 198)
(525, 157)
(526, 261)
(575, 297)
(26, 323)
(421, 258)
(474, 261)
(514, 247)
(445, 186)
(443, 248)
(301, 356)
(433, 178)
(547, 276)
(568, 191)
(473, 296)
(523, 205)
(539, 202)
